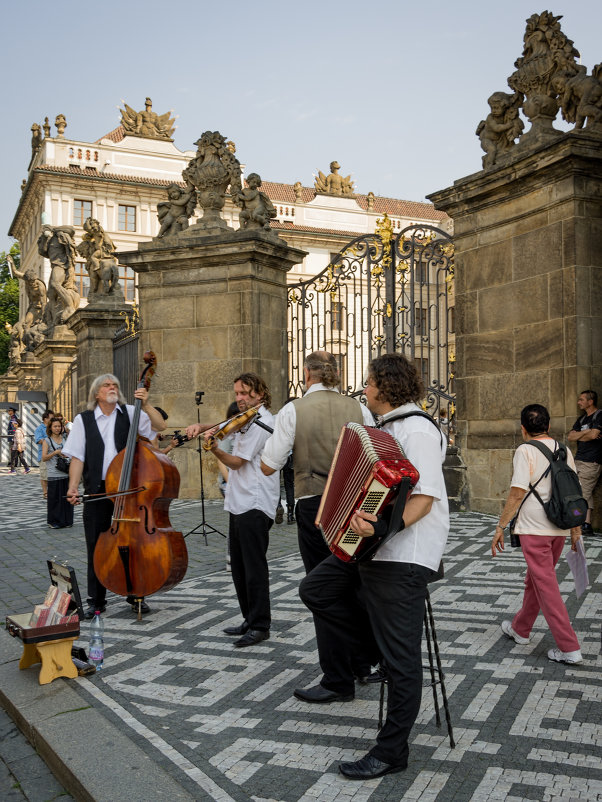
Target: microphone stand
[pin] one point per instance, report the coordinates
(203, 527)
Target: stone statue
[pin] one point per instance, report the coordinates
(211, 171)
(256, 208)
(61, 124)
(16, 346)
(35, 290)
(580, 96)
(370, 199)
(334, 184)
(98, 250)
(36, 139)
(501, 127)
(46, 127)
(547, 52)
(175, 213)
(298, 190)
(34, 335)
(147, 123)
(57, 245)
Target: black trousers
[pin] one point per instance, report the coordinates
(97, 519)
(346, 645)
(312, 545)
(288, 479)
(16, 457)
(59, 511)
(395, 595)
(249, 539)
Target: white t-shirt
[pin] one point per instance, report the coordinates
(529, 464)
(421, 543)
(247, 488)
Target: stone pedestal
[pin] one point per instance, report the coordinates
(212, 307)
(27, 373)
(94, 327)
(56, 355)
(528, 240)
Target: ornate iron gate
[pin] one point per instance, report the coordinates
(125, 353)
(381, 293)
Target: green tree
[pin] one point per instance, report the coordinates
(9, 302)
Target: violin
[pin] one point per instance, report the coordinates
(141, 553)
(231, 426)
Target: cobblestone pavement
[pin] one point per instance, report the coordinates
(225, 725)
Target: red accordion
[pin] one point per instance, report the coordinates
(368, 471)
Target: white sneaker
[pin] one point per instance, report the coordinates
(507, 630)
(565, 657)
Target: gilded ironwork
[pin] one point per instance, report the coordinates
(382, 292)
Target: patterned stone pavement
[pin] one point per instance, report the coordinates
(224, 724)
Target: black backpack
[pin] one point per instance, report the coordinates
(567, 507)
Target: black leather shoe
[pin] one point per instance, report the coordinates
(290, 518)
(144, 608)
(252, 637)
(239, 630)
(320, 695)
(92, 608)
(368, 768)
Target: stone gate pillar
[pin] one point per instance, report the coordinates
(94, 327)
(56, 354)
(528, 255)
(212, 307)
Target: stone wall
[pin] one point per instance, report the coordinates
(528, 239)
(212, 308)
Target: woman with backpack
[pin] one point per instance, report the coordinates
(59, 510)
(532, 494)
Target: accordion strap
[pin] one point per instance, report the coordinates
(416, 414)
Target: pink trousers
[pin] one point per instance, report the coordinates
(541, 553)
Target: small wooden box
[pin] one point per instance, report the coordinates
(50, 645)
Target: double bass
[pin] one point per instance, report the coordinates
(141, 553)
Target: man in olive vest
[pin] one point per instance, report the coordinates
(310, 427)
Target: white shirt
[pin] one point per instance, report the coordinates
(247, 488)
(529, 464)
(280, 444)
(421, 543)
(76, 442)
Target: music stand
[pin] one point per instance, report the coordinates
(203, 527)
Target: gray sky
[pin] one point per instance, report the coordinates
(393, 90)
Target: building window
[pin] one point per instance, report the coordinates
(82, 279)
(337, 316)
(451, 320)
(127, 218)
(82, 209)
(127, 279)
(422, 366)
(421, 321)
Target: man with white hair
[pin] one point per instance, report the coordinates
(96, 437)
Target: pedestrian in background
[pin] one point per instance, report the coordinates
(18, 448)
(59, 510)
(38, 436)
(542, 541)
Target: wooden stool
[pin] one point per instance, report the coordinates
(55, 657)
(437, 676)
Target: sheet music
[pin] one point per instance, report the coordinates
(578, 565)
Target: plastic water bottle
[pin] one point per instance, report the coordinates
(96, 649)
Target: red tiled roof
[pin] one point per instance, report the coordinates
(288, 226)
(116, 135)
(92, 172)
(394, 207)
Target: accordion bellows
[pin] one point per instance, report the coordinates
(366, 472)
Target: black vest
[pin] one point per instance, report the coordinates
(95, 447)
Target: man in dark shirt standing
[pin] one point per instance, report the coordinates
(587, 433)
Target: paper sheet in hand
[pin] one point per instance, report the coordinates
(578, 565)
